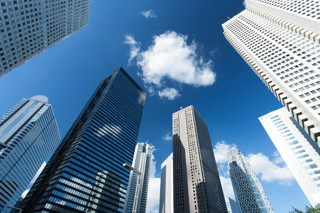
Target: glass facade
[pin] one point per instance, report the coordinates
(86, 173)
(250, 195)
(28, 135)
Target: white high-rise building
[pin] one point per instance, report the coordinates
(297, 149)
(280, 39)
(166, 187)
(28, 135)
(28, 28)
(137, 192)
(196, 181)
(249, 193)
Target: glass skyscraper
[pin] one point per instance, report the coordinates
(28, 28)
(196, 181)
(249, 193)
(136, 198)
(232, 206)
(28, 135)
(85, 173)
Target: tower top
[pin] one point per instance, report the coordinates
(40, 98)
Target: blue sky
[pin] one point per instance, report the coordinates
(178, 54)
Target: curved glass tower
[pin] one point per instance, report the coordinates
(28, 135)
(249, 193)
(85, 174)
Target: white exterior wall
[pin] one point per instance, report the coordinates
(285, 56)
(28, 28)
(297, 150)
(300, 14)
(136, 197)
(166, 188)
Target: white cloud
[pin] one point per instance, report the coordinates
(153, 190)
(105, 130)
(170, 59)
(167, 137)
(134, 47)
(221, 150)
(227, 187)
(269, 170)
(277, 158)
(169, 93)
(149, 14)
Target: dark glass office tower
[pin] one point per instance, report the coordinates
(196, 181)
(85, 174)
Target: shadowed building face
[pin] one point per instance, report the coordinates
(197, 186)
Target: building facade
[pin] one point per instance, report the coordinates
(28, 28)
(28, 135)
(232, 206)
(280, 42)
(197, 186)
(297, 149)
(85, 173)
(137, 193)
(166, 186)
(249, 193)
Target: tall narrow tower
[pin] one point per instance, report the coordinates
(136, 198)
(30, 27)
(280, 41)
(297, 149)
(85, 173)
(246, 186)
(28, 135)
(197, 186)
(166, 186)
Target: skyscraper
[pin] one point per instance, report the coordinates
(166, 186)
(136, 198)
(280, 42)
(246, 186)
(297, 149)
(28, 135)
(29, 27)
(232, 206)
(85, 173)
(197, 186)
